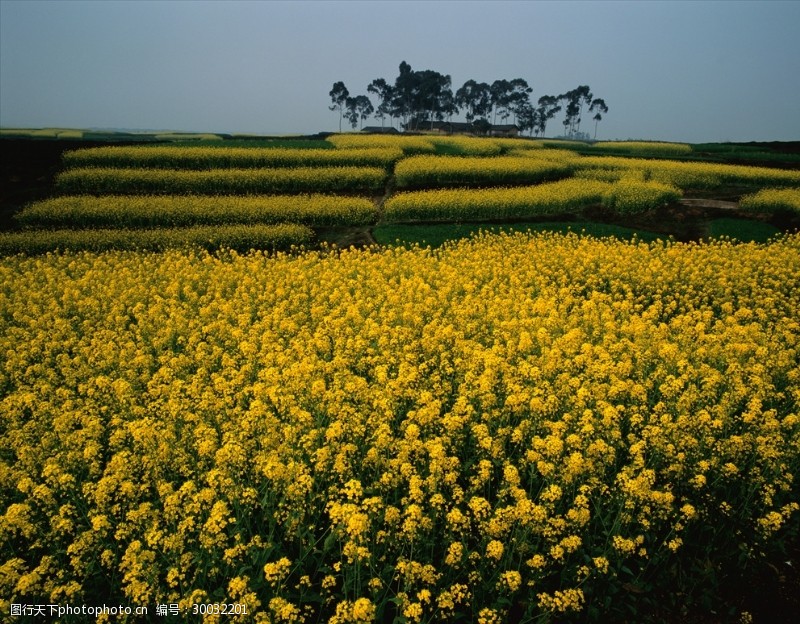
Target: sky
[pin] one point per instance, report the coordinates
(688, 71)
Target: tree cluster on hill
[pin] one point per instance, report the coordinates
(419, 98)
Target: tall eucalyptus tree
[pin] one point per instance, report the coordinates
(339, 95)
(475, 98)
(599, 105)
(385, 93)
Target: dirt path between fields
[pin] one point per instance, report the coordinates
(709, 203)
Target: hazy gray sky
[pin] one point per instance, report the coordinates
(679, 71)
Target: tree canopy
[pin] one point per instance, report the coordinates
(419, 98)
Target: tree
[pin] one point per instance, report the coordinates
(476, 98)
(449, 106)
(567, 124)
(420, 96)
(509, 97)
(433, 96)
(526, 116)
(517, 98)
(599, 105)
(547, 109)
(571, 110)
(584, 97)
(339, 95)
(350, 112)
(364, 108)
(385, 93)
(403, 93)
(358, 107)
(501, 93)
(575, 100)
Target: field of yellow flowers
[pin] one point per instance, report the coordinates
(511, 428)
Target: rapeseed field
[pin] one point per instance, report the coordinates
(530, 427)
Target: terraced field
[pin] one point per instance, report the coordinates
(360, 184)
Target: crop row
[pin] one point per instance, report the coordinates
(685, 174)
(220, 181)
(626, 196)
(564, 156)
(432, 143)
(651, 149)
(770, 200)
(514, 427)
(409, 144)
(179, 157)
(87, 211)
(532, 165)
(273, 237)
(467, 146)
(629, 196)
(421, 171)
(462, 145)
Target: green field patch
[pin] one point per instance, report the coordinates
(743, 230)
(188, 136)
(778, 152)
(653, 149)
(41, 133)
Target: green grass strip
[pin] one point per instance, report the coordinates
(642, 148)
(742, 230)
